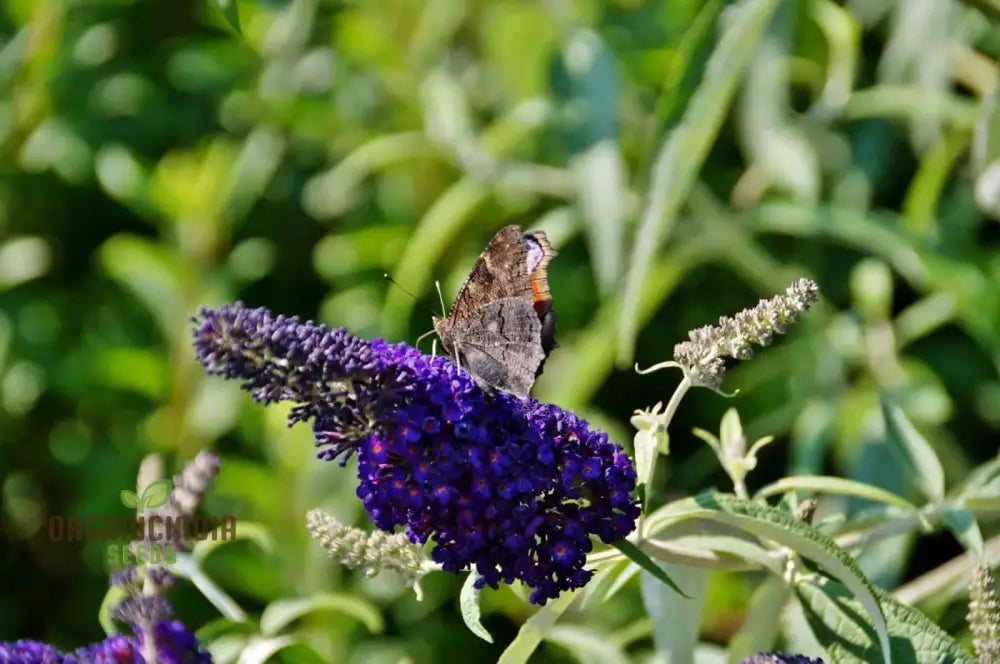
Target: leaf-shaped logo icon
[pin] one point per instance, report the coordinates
(129, 498)
(156, 494)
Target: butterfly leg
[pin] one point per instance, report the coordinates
(434, 348)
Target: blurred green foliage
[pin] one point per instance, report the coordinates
(686, 158)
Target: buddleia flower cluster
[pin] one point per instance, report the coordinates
(702, 355)
(510, 487)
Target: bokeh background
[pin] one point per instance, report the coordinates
(686, 158)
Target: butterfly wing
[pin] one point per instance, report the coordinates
(500, 344)
(500, 272)
(540, 253)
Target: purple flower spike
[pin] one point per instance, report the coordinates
(174, 645)
(510, 486)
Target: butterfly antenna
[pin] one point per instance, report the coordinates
(423, 336)
(395, 283)
(437, 285)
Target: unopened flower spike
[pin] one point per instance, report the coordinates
(701, 357)
(984, 615)
(511, 487)
(372, 551)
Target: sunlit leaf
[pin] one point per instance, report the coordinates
(468, 601)
(587, 645)
(823, 484)
(534, 629)
(279, 614)
(676, 619)
(915, 451)
(762, 623)
(846, 631)
(642, 559)
(764, 521)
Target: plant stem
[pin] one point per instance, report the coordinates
(675, 400)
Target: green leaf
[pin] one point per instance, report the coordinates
(188, 567)
(915, 451)
(230, 11)
(535, 629)
(586, 645)
(961, 522)
(683, 152)
(762, 623)
(984, 480)
(279, 614)
(259, 650)
(226, 648)
(245, 530)
(781, 527)
(836, 486)
(468, 600)
(129, 498)
(675, 619)
(842, 626)
(640, 558)
(778, 146)
(607, 581)
(157, 493)
(585, 78)
(601, 184)
(112, 598)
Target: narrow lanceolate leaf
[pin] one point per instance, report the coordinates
(961, 522)
(587, 645)
(685, 149)
(536, 628)
(840, 624)
(279, 614)
(836, 486)
(585, 81)
(915, 451)
(762, 623)
(764, 521)
(468, 600)
(675, 618)
(639, 557)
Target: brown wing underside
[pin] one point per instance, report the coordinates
(500, 344)
(501, 272)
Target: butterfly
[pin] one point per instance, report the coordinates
(502, 326)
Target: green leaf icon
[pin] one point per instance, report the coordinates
(129, 498)
(156, 494)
